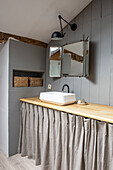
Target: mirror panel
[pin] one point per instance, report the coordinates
(75, 59)
(86, 59)
(55, 62)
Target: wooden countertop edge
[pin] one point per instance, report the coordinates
(95, 115)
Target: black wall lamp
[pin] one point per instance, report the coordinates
(59, 35)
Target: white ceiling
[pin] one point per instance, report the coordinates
(37, 18)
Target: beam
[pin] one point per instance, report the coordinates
(56, 56)
(4, 37)
(74, 56)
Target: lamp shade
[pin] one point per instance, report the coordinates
(57, 36)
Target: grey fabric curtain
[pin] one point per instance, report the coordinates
(62, 141)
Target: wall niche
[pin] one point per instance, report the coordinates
(23, 78)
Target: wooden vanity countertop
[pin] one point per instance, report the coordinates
(94, 111)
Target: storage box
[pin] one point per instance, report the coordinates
(20, 81)
(35, 82)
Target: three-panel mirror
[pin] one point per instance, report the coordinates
(70, 60)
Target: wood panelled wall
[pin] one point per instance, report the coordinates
(95, 21)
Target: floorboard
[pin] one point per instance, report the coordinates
(17, 162)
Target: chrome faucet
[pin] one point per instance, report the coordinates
(66, 85)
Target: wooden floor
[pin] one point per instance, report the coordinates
(17, 162)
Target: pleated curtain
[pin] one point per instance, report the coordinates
(61, 141)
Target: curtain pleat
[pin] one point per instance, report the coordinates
(90, 144)
(62, 141)
(37, 137)
(104, 146)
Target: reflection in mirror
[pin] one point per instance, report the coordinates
(73, 59)
(55, 62)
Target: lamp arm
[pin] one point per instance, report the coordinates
(60, 24)
(60, 17)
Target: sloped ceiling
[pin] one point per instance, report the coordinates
(37, 19)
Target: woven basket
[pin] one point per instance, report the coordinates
(35, 82)
(20, 81)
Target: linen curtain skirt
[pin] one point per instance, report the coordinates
(62, 141)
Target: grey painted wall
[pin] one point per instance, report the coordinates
(96, 21)
(4, 96)
(1, 46)
(22, 56)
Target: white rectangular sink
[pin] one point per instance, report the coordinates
(59, 98)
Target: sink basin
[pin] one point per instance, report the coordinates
(59, 98)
